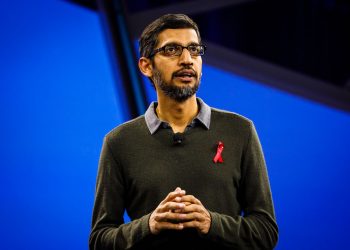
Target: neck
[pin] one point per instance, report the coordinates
(177, 114)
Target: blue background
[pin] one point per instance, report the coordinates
(58, 99)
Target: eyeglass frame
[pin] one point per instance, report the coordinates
(154, 52)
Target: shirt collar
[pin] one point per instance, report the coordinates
(153, 122)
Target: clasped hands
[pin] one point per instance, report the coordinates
(178, 211)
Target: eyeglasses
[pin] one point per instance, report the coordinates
(176, 50)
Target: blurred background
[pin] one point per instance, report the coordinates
(68, 76)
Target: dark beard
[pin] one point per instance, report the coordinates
(179, 94)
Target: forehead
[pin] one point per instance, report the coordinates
(179, 36)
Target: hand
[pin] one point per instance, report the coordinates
(194, 214)
(178, 211)
(164, 216)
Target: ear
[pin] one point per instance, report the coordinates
(145, 66)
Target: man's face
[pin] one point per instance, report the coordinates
(177, 76)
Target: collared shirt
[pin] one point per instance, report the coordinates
(154, 123)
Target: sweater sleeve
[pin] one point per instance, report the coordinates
(108, 228)
(256, 228)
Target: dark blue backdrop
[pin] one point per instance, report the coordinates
(58, 99)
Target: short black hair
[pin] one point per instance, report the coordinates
(149, 36)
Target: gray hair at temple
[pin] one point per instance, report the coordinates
(149, 37)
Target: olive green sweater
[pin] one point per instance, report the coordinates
(137, 170)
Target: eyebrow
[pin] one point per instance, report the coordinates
(175, 43)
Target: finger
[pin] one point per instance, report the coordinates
(190, 199)
(168, 225)
(193, 208)
(189, 209)
(202, 226)
(181, 210)
(180, 190)
(172, 195)
(199, 212)
(177, 199)
(192, 216)
(191, 224)
(170, 206)
(169, 216)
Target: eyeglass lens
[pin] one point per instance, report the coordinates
(195, 50)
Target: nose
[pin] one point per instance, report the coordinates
(185, 58)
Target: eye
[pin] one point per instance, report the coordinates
(194, 49)
(170, 49)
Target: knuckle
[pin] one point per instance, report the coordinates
(156, 217)
(167, 214)
(157, 227)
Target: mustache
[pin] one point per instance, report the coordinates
(186, 70)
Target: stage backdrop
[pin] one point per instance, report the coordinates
(58, 98)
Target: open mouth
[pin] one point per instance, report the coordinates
(185, 75)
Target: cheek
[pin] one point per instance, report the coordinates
(167, 72)
(164, 75)
(199, 65)
(166, 69)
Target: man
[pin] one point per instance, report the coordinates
(189, 176)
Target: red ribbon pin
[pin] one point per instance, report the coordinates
(218, 157)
